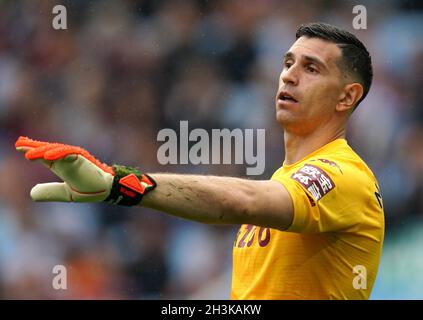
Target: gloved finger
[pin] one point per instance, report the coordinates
(23, 149)
(70, 153)
(38, 152)
(35, 150)
(64, 151)
(25, 141)
(24, 144)
(52, 191)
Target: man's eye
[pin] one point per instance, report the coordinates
(287, 64)
(311, 69)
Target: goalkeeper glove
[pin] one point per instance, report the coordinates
(85, 178)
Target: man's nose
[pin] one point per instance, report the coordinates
(290, 76)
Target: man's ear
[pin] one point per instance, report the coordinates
(349, 97)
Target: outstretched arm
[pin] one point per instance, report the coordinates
(225, 200)
(207, 199)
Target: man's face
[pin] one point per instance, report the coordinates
(309, 86)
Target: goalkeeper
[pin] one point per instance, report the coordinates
(305, 232)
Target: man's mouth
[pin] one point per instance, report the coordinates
(285, 96)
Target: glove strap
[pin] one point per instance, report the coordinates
(129, 186)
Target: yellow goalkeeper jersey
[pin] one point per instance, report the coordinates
(333, 247)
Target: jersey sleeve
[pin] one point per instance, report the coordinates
(326, 198)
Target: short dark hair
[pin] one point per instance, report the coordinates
(355, 60)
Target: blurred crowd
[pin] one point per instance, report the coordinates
(122, 71)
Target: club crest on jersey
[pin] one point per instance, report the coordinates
(315, 180)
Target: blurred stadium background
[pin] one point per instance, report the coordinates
(122, 71)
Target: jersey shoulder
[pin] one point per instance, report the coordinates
(344, 162)
(335, 167)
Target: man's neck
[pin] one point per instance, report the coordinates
(298, 147)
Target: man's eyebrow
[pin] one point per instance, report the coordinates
(290, 55)
(316, 61)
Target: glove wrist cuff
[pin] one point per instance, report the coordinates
(129, 186)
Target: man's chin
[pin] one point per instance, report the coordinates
(288, 121)
(283, 117)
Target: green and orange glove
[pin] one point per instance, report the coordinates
(85, 179)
